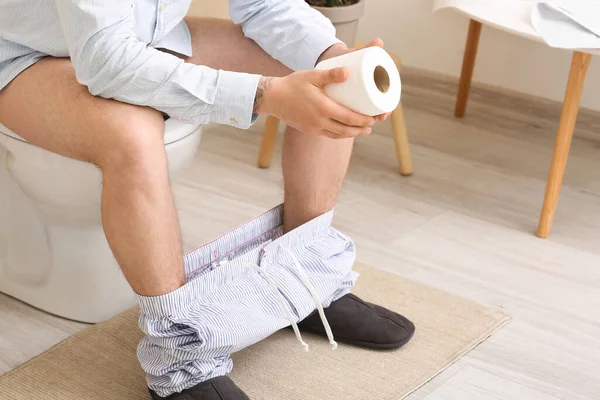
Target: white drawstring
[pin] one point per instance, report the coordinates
(282, 302)
(315, 296)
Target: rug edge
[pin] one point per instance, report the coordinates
(501, 323)
(62, 343)
(503, 319)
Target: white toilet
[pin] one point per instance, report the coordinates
(53, 253)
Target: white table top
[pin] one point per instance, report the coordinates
(512, 16)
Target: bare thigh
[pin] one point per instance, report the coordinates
(219, 44)
(48, 107)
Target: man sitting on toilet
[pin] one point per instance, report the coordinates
(91, 80)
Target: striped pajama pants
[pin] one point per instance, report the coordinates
(240, 288)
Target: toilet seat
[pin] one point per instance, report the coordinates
(174, 131)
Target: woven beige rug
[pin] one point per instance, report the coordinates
(99, 363)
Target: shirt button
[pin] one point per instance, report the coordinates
(162, 8)
(153, 43)
(233, 121)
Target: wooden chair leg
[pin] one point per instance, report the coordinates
(267, 144)
(468, 65)
(401, 141)
(566, 126)
(399, 132)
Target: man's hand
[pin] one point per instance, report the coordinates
(339, 49)
(299, 100)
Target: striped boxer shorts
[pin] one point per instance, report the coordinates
(240, 288)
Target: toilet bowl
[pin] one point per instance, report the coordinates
(53, 253)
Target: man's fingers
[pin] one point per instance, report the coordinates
(346, 131)
(382, 117)
(377, 42)
(349, 117)
(335, 75)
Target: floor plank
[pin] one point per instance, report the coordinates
(473, 383)
(26, 332)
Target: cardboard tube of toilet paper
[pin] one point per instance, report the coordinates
(373, 86)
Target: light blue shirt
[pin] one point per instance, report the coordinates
(112, 45)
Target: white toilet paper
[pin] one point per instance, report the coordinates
(373, 86)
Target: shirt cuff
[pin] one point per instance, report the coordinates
(313, 46)
(234, 99)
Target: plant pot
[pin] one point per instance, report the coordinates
(345, 19)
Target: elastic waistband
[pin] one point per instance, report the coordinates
(268, 225)
(248, 242)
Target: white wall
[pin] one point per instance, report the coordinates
(209, 8)
(436, 43)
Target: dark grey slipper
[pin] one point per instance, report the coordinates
(357, 322)
(219, 388)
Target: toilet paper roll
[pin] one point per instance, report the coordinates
(373, 86)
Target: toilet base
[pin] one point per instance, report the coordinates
(85, 285)
(59, 265)
(53, 252)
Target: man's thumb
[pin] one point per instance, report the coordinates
(335, 75)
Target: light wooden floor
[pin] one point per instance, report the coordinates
(464, 223)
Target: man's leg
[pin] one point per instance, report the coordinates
(313, 167)
(47, 107)
(173, 348)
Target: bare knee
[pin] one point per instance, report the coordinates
(134, 141)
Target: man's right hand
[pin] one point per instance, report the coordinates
(298, 99)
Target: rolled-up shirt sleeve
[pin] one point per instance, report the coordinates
(289, 30)
(114, 64)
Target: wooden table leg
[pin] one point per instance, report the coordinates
(468, 65)
(566, 126)
(267, 144)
